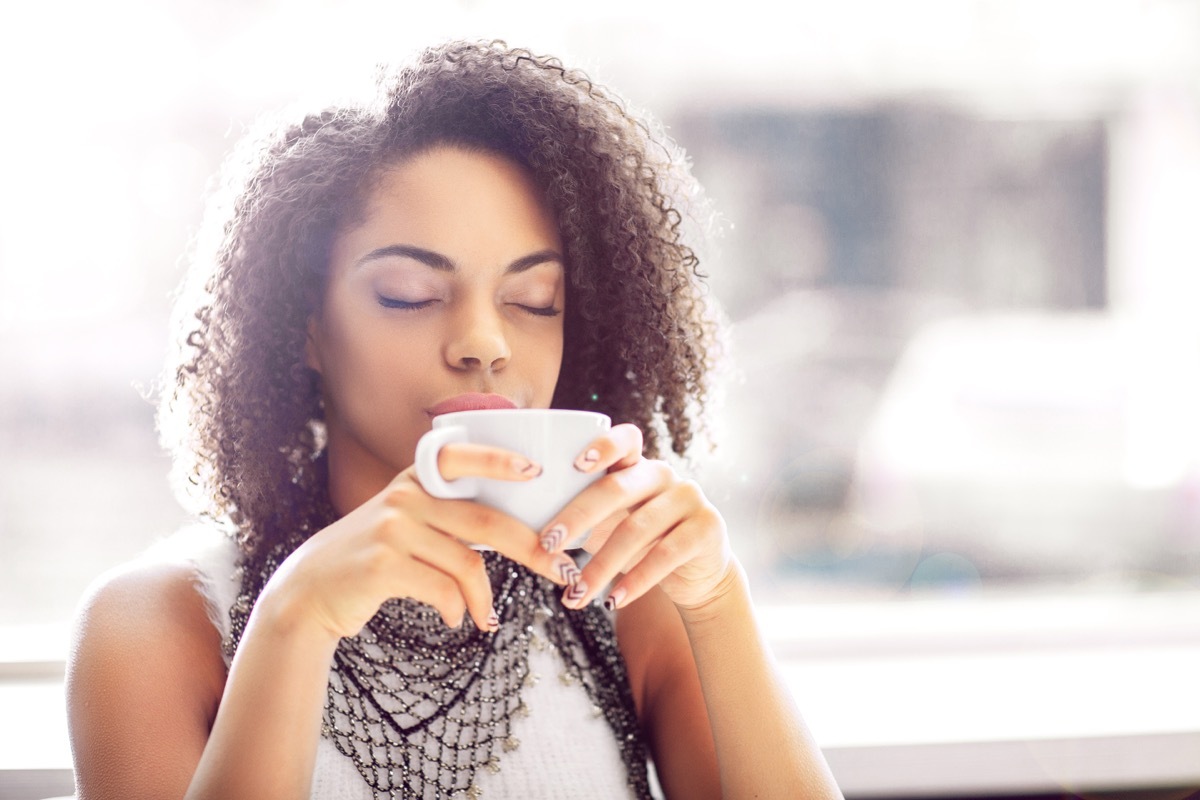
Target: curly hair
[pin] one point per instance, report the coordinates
(242, 411)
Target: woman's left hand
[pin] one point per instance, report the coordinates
(649, 526)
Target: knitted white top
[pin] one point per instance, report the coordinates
(567, 750)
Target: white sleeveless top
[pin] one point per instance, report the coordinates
(567, 750)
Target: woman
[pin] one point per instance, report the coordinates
(494, 230)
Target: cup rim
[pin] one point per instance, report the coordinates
(477, 413)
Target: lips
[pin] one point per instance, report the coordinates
(471, 402)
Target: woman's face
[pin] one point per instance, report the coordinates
(448, 294)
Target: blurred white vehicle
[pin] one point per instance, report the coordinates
(1039, 444)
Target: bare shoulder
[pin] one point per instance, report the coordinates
(144, 678)
(140, 589)
(147, 619)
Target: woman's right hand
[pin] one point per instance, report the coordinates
(405, 543)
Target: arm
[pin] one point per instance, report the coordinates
(721, 720)
(145, 682)
(263, 742)
(670, 702)
(689, 632)
(153, 714)
(144, 679)
(763, 746)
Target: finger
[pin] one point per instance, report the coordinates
(426, 584)
(632, 540)
(670, 553)
(476, 523)
(620, 447)
(465, 568)
(600, 532)
(461, 460)
(616, 491)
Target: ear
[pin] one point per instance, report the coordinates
(312, 348)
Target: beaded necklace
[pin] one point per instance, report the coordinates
(420, 708)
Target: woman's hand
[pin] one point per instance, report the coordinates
(648, 523)
(405, 543)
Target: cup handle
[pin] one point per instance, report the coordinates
(426, 463)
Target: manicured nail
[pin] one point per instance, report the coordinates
(588, 461)
(552, 539)
(574, 593)
(527, 468)
(567, 570)
(493, 621)
(614, 599)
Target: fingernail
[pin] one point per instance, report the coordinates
(493, 621)
(614, 599)
(526, 467)
(567, 570)
(553, 538)
(587, 461)
(574, 593)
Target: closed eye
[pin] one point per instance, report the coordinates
(540, 311)
(403, 305)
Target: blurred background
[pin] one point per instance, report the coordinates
(958, 251)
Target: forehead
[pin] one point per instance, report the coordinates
(469, 205)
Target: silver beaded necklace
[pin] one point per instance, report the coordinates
(420, 708)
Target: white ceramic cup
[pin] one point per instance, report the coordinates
(552, 438)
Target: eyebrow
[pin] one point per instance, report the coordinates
(437, 261)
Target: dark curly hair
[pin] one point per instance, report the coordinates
(242, 411)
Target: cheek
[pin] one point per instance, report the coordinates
(364, 363)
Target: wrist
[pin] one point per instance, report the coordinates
(281, 616)
(730, 595)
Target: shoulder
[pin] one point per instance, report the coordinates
(147, 597)
(144, 679)
(143, 631)
(165, 595)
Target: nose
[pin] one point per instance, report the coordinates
(478, 341)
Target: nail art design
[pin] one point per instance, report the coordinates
(531, 469)
(613, 601)
(588, 460)
(568, 571)
(575, 592)
(552, 539)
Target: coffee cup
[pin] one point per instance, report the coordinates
(552, 438)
